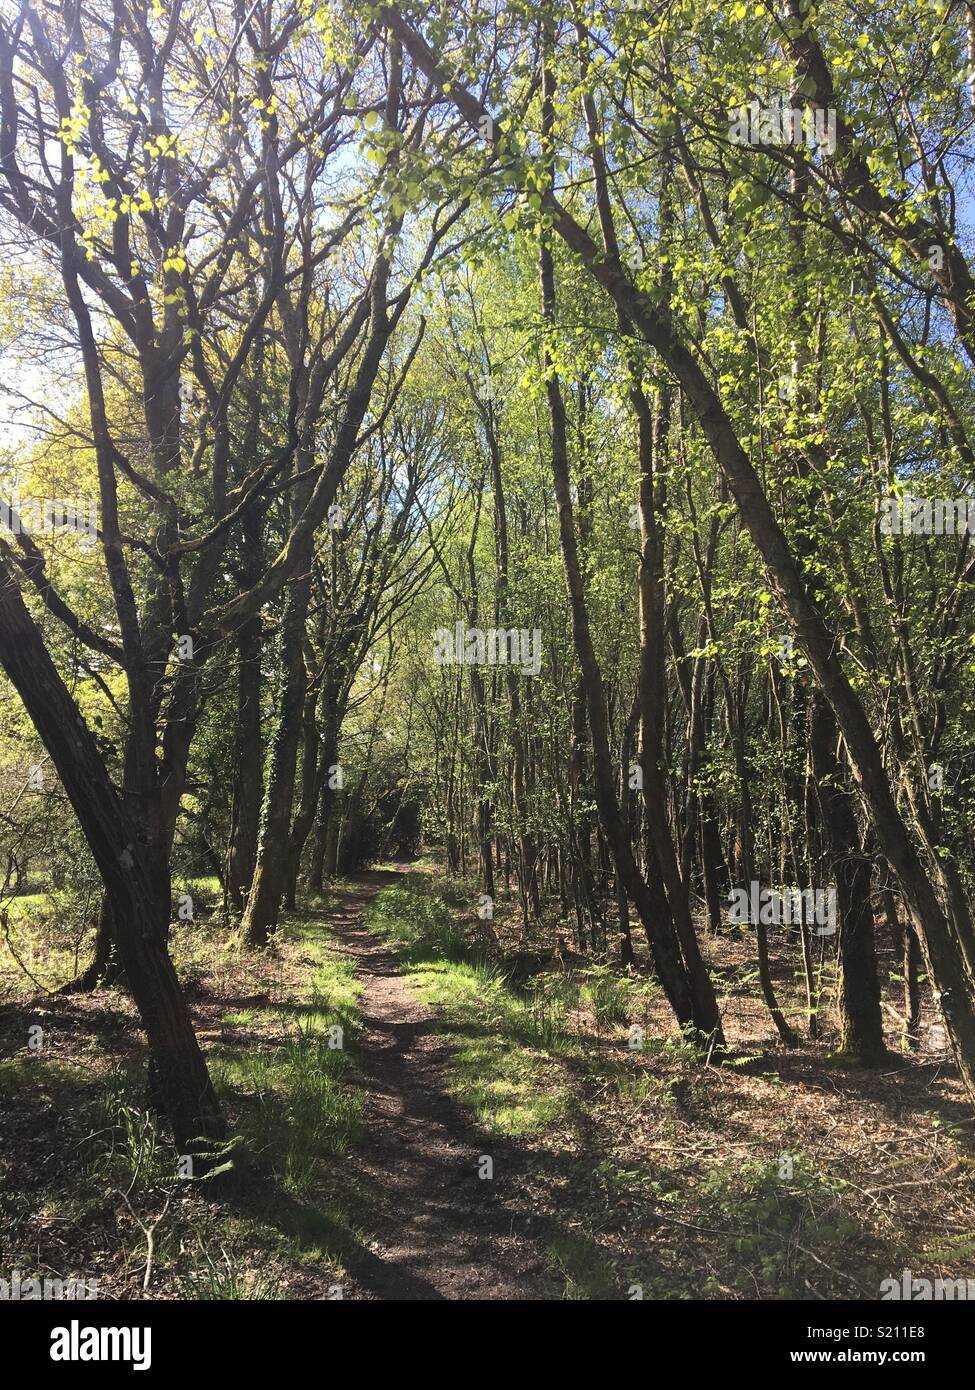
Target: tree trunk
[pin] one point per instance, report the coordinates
(141, 914)
(311, 771)
(264, 900)
(861, 1018)
(248, 766)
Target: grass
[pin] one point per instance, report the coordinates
(584, 1267)
(505, 1040)
(220, 1274)
(49, 935)
(27, 905)
(44, 940)
(294, 1103)
(545, 1063)
(516, 1044)
(610, 996)
(285, 1083)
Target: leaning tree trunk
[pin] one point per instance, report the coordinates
(140, 912)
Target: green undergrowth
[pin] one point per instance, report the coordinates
(294, 1101)
(280, 1219)
(546, 1058)
(520, 1044)
(506, 1040)
(622, 1159)
(46, 938)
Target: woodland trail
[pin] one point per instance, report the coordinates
(438, 1230)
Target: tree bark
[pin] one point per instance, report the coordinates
(248, 767)
(140, 913)
(861, 1018)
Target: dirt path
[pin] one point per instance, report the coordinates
(439, 1230)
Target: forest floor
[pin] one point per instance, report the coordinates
(439, 1230)
(484, 1130)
